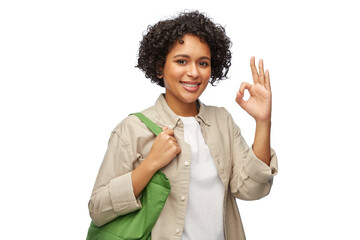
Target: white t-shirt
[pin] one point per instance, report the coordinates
(204, 213)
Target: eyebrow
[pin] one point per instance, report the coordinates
(187, 56)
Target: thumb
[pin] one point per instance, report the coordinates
(239, 99)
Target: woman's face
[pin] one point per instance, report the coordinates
(186, 71)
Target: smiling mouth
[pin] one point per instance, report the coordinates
(192, 85)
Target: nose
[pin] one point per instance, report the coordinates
(193, 70)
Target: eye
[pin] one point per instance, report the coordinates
(180, 61)
(204, 64)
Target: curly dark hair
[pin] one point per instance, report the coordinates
(161, 37)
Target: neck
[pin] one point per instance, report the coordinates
(180, 108)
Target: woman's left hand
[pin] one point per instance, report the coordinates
(259, 103)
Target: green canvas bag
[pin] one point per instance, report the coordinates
(137, 225)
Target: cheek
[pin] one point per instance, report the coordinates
(177, 72)
(173, 73)
(207, 74)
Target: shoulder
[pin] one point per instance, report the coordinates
(217, 114)
(219, 111)
(133, 126)
(221, 119)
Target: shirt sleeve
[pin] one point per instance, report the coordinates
(113, 194)
(251, 178)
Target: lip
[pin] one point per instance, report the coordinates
(190, 86)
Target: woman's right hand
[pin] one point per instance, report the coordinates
(163, 150)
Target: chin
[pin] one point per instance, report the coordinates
(190, 99)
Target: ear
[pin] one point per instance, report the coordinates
(159, 74)
(159, 70)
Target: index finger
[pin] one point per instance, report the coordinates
(169, 131)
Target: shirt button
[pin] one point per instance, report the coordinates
(170, 126)
(177, 231)
(183, 198)
(187, 163)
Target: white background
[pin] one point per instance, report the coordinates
(68, 77)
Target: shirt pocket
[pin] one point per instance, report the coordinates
(217, 156)
(222, 159)
(173, 170)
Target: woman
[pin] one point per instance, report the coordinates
(200, 150)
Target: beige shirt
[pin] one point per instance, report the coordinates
(243, 175)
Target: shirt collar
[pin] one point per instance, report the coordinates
(203, 113)
(170, 118)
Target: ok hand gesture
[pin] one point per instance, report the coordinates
(259, 103)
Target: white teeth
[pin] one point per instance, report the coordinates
(189, 85)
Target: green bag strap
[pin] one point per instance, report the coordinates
(150, 124)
